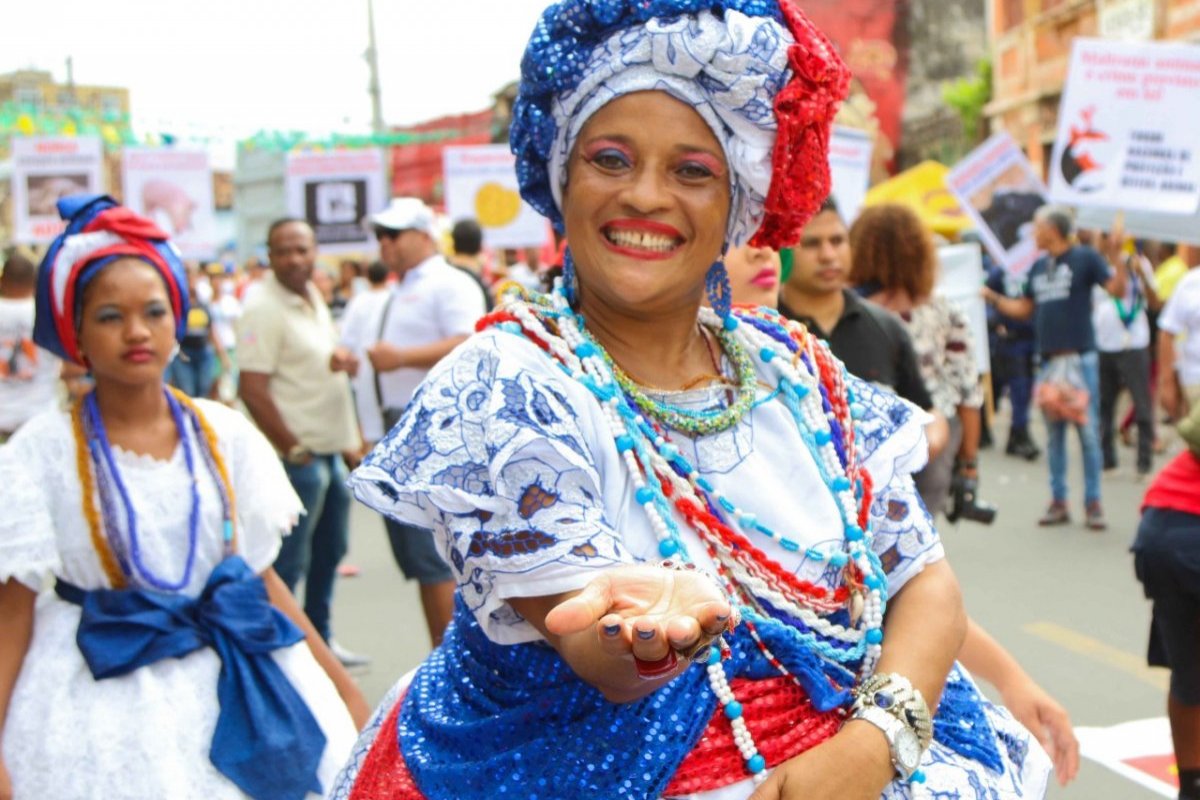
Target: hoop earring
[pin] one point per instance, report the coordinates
(569, 288)
(720, 293)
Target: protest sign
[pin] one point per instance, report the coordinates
(336, 191)
(1127, 128)
(999, 190)
(46, 169)
(481, 184)
(173, 187)
(960, 278)
(850, 169)
(1181, 228)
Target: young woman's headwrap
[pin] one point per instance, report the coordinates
(99, 231)
(766, 81)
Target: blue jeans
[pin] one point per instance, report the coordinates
(1089, 439)
(320, 539)
(191, 371)
(1014, 370)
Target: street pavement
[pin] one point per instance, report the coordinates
(1064, 601)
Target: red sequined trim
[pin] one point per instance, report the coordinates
(804, 112)
(384, 773)
(781, 719)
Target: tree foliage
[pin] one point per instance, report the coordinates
(968, 96)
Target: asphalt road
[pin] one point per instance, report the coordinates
(1064, 601)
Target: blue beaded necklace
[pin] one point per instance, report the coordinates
(129, 553)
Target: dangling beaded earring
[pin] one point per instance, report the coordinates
(568, 277)
(720, 293)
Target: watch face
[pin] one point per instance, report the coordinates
(908, 749)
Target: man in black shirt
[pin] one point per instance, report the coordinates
(870, 341)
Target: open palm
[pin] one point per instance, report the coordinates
(645, 611)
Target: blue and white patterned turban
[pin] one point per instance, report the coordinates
(757, 72)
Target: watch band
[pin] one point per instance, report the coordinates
(903, 747)
(896, 695)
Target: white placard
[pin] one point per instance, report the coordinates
(1143, 225)
(46, 169)
(481, 184)
(960, 279)
(850, 169)
(999, 190)
(173, 187)
(1127, 128)
(336, 191)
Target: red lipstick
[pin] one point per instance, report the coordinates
(138, 355)
(766, 279)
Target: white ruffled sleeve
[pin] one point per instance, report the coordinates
(28, 546)
(267, 505)
(891, 441)
(491, 456)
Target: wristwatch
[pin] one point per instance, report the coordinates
(298, 455)
(902, 741)
(891, 703)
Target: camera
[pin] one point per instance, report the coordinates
(965, 502)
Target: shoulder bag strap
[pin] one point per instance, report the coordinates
(383, 318)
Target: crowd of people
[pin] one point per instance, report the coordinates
(671, 489)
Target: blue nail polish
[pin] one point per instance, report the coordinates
(646, 635)
(612, 630)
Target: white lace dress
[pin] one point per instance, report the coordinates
(146, 734)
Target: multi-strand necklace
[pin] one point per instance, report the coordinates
(120, 551)
(811, 385)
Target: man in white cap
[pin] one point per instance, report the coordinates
(430, 310)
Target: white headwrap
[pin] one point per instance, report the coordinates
(728, 69)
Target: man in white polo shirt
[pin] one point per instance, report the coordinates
(432, 308)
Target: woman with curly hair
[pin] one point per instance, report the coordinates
(894, 264)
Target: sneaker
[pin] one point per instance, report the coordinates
(1095, 517)
(1056, 514)
(348, 658)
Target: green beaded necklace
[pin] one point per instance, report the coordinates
(698, 423)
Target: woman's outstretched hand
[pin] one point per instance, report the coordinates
(645, 612)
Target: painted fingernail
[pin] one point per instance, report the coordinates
(722, 617)
(646, 635)
(612, 630)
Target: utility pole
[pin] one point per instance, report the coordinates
(71, 81)
(372, 56)
(377, 124)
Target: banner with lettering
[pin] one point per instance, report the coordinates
(336, 191)
(481, 184)
(999, 190)
(1128, 122)
(850, 152)
(173, 187)
(45, 169)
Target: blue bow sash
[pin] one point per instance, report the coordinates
(266, 740)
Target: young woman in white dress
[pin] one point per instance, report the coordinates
(147, 649)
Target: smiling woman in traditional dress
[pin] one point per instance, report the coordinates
(690, 558)
(169, 660)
